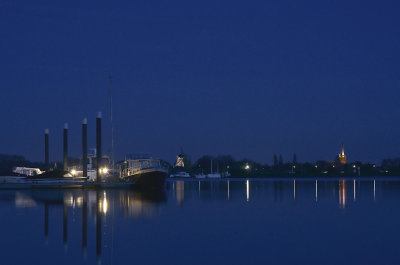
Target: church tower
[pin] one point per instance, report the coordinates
(342, 157)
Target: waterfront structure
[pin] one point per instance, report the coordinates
(342, 156)
(179, 160)
(179, 165)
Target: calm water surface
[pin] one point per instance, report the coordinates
(207, 222)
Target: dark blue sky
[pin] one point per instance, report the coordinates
(216, 77)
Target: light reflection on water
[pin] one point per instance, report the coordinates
(114, 226)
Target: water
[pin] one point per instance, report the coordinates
(207, 222)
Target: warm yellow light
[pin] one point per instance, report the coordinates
(73, 172)
(247, 167)
(105, 170)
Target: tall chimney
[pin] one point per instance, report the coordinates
(65, 147)
(46, 148)
(98, 145)
(84, 147)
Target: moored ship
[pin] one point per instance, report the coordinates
(145, 172)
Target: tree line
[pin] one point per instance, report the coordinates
(247, 167)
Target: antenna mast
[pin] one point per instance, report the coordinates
(111, 123)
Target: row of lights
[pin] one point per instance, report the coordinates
(247, 166)
(103, 170)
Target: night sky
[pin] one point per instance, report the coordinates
(246, 78)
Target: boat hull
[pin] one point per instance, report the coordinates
(149, 178)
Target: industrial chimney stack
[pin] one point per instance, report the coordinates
(98, 145)
(65, 154)
(84, 147)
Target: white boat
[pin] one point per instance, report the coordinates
(27, 171)
(214, 175)
(226, 174)
(180, 175)
(201, 176)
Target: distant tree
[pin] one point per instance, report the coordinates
(391, 163)
(165, 164)
(7, 162)
(204, 164)
(224, 162)
(280, 161)
(187, 161)
(275, 160)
